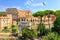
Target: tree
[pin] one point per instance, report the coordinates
(51, 36)
(57, 13)
(5, 29)
(27, 33)
(2, 13)
(39, 13)
(56, 27)
(48, 12)
(14, 29)
(41, 30)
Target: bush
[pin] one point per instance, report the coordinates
(52, 36)
(27, 33)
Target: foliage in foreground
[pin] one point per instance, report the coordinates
(29, 33)
(51, 36)
(12, 29)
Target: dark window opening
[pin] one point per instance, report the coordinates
(22, 20)
(31, 20)
(27, 19)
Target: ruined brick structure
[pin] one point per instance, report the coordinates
(17, 17)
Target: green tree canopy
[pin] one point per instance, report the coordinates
(57, 13)
(48, 12)
(27, 33)
(39, 13)
(56, 27)
(52, 36)
(2, 13)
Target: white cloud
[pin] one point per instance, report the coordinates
(37, 4)
(30, 3)
(33, 5)
(31, 0)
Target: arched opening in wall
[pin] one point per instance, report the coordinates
(22, 19)
(31, 20)
(27, 19)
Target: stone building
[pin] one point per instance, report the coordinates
(23, 16)
(48, 21)
(14, 13)
(5, 20)
(26, 18)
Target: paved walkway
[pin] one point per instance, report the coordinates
(6, 35)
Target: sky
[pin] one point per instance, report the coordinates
(32, 5)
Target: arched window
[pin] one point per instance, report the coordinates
(31, 20)
(22, 19)
(27, 19)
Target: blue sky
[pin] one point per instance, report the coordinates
(32, 5)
